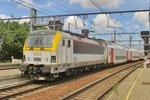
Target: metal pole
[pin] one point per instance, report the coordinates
(68, 26)
(139, 45)
(130, 41)
(31, 22)
(114, 36)
(33, 15)
(54, 25)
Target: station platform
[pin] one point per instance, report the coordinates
(134, 87)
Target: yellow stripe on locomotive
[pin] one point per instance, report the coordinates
(55, 43)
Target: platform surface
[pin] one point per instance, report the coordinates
(135, 87)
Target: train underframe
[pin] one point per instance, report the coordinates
(40, 72)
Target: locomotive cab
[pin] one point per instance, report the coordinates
(41, 53)
(40, 48)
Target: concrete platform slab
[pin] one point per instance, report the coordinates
(12, 72)
(135, 87)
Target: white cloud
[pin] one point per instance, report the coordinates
(21, 21)
(142, 17)
(130, 25)
(135, 26)
(74, 22)
(3, 16)
(103, 3)
(102, 23)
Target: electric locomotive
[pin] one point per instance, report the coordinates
(48, 54)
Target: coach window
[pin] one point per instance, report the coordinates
(63, 42)
(69, 43)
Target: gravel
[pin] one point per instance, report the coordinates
(6, 74)
(12, 81)
(58, 91)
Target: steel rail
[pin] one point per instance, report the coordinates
(75, 93)
(7, 88)
(109, 89)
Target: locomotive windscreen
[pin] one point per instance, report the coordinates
(40, 40)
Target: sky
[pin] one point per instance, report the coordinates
(121, 23)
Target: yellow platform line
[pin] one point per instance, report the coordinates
(133, 85)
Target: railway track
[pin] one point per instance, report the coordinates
(19, 88)
(15, 80)
(16, 90)
(99, 88)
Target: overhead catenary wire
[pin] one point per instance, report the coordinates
(79, 14)
(70, 10)
(31, 6)
(103, 10)
(67, 8)
(108, 17)
(68, 21)
(116, 33)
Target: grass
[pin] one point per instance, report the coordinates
(115, 88)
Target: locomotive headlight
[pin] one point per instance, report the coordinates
(53, 59)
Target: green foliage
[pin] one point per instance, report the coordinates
(14, 37)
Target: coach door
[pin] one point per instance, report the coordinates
(111, 55)
(69, 51)
(66, 51)
(131, 55)
(63, 51)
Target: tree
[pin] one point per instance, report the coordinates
(14, 37)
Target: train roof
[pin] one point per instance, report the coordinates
(69, 34)
(115, 45)
(45, 31)
(100, 40)
(133, 49)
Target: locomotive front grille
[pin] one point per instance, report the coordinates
(37, 59)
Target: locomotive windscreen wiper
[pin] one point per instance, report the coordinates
(33, 41)
(41, 42)
(36, 42)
